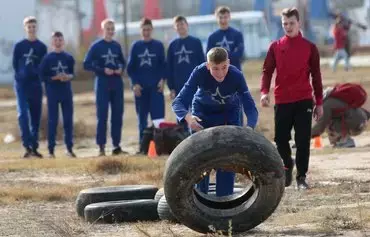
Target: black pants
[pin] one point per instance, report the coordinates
(297, 115)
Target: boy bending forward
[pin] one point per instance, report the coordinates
(213, 89)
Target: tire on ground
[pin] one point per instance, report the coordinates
(122, 211)
(159, 194)
(113, 193)
(164, 211)
(221, 147)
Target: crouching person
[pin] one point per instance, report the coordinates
(213, 89)
(57, 70)
(346, 113)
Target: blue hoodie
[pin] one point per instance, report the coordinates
(147, 65)
(231, 40)
(184, 54)
(210, 97)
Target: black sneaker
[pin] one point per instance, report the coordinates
(71, 154)
(36, 153)
(27, 154)
(101, 152)
(288, 176)
(301, 183)
(118, 151)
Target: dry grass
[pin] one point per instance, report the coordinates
(51, 193)
(338, 220)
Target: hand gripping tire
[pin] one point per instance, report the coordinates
(240, 149)
(113, 193)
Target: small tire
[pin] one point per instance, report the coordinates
(164, 211)
(113, 193)
(122, 211)
(159, 194)
(224, 147)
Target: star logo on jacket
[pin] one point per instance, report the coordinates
(183, 55)
(60, 68)
(146, 58)
(29, 57)
(224, 43)
(109, 58)
(218, 97)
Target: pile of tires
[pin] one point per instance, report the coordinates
(239, 149)
(118, 203)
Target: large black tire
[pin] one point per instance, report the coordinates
(220, 147)
(120, 211)
(164, 211)
(113, 193)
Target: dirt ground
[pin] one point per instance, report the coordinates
(37, 196)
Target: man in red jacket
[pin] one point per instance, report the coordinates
(294, 59)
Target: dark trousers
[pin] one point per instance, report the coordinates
(65, 100)
(29, 108)
(151, 101)
(297, 115)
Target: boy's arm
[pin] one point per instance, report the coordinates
(43, 69)
(316, 74)
(15, 58)
(131, 66)
(43, 53)
(162, 61)
(170, 59)
(267, 70)
(210, 43)
(181, 103)
(201, 56)
(239, 49)
(249, 106)
(90, 61)
(121, 59)
(71, 68)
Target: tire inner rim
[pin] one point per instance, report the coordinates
(230, 205)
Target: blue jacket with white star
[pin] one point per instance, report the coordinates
(216, 103)
(27, 56)
(230, 39)
(103, 54)
(147, 64)
(183, 55)
(53, 64)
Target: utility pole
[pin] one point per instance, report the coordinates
(124, 17)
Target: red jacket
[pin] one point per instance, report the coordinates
(294, 60)
(340, 37)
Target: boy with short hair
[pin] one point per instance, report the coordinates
(214, 89)
(27, 56)
(295, 60)
(230, 39)
(57, 70)
(147, 69)
(106, 60)
(184, 54)
(227, 37)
